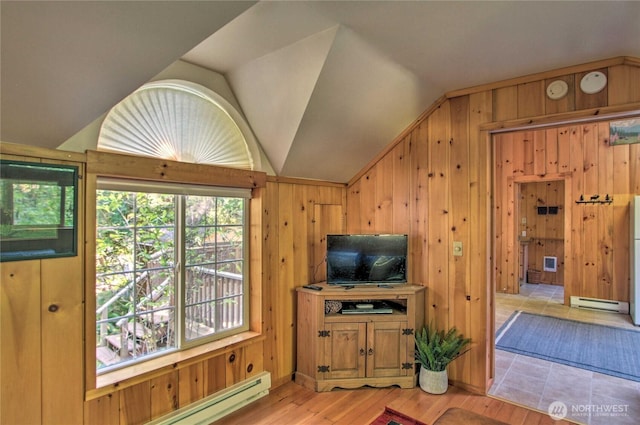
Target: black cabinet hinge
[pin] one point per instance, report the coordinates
(407, 365)
(324, 334)
(323, 369)
(407, 331)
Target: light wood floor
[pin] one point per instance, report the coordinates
(291, 404)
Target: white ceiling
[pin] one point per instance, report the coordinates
(324, 85)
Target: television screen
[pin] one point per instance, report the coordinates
(38, 210)
(366, 259)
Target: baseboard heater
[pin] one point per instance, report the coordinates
(600, 305)
(220, 404)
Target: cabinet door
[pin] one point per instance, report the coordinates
(344, 350)
(387, 350)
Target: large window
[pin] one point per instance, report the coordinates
(171, 268)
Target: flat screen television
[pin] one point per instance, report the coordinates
(38, 210)
(366, 259)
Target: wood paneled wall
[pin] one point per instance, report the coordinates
(443, 192)
(41, 316)
(298, 214)
(541, 218)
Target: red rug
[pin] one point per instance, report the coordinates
(393, 417)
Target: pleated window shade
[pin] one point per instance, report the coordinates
(177, 120)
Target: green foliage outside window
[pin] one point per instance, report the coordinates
(136, 276)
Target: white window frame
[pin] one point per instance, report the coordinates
(105, 183)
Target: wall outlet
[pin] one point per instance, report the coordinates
(457, 249)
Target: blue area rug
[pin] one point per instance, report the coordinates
(604, 349)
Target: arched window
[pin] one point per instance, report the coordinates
(181, 121)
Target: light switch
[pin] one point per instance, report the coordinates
(457, 249)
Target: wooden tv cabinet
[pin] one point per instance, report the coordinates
(353, 347)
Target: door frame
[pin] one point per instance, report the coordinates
(487, 132)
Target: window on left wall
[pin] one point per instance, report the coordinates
(171, 268)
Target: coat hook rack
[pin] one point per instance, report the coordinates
(595, 199)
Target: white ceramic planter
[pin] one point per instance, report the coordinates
(433, 382)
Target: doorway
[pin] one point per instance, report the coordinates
(540, 232)
(570, 167)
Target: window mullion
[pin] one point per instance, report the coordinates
(181, 269)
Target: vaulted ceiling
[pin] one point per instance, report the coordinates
(325, 85)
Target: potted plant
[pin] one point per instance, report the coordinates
(435, 349)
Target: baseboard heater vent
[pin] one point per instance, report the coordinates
(220, 404)
(600, 305)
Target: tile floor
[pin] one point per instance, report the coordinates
(537, 383)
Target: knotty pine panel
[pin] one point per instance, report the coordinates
(531, 99)
(590, 284)
(401, 188)
(634, 168)
(516, 162)
(505, 103)
(480, 327)
(551, 151)
(284, 288)
(215, 379)
(419, 253)
(353, 207)
(135, 404)
(253, 359)
(104, 410)
(438, 210)
(327, 219)
(605, 216)
(510, 163)
(459, 215)
(564, 149)
(539, 153)
(271, 273)
(62, 330)
(621, 223)
(527, 144)
(164, 394)
(191, 381)
(235, 367)
(21, 347)
(384, 196)
(368, 201)
(304, 199)
(623, 84)
(575, 273)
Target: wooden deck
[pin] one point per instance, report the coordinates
(291, 404)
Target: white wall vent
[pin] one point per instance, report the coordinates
(220, 404)
(600, 305)
(550, 264)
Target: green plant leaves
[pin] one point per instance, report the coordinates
(435, 349)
